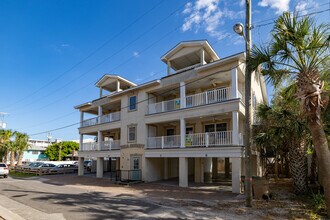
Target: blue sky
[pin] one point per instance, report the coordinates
(52, 52)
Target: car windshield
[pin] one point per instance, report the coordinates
(2, 165)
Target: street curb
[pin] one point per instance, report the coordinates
(9, 215)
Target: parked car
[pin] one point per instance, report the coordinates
(42, 166)
(32, 165)
(64, 168)
(4, 171)
(88, 165)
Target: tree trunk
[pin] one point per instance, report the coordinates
(298, 165)
(323, 156)
(20, 158)
(313, 168)
(5, 157)
(12, 158)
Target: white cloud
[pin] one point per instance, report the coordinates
(303, 6)
(136, 54)
(279, 5)
(205, 15)
(242, 3)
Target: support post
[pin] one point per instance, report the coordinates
(208, 170)
(227, 167)
(183, 172)
(81, 118)
(165, 168)
(81, 142)
(235, 136)
(99, 140)
(236, 175)
(182, 95)
(81, 166)
(99, 167)
(182, 132)
(234, 83)
(203, 57)
(214, 167)
(168, 67)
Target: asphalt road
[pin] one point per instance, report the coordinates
(39, 198)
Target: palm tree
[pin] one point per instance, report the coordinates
(282, 130)
(21, 140)
(5, 143)
(296, 52)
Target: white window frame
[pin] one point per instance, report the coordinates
(128, 133)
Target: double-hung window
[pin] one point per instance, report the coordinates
(131, 133)
(132, 103)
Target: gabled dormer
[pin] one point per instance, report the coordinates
(189, 53)
(113, 83)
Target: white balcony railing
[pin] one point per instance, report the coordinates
(164, 142)
(164, 106)
(204, 98)
(221, 138)
(110, 145)
(115, 116)
(209, 97)
(89, 146)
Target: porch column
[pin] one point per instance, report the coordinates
(118, 86)
(183, 172)
(165, 168)
(99, 167)
(182, 132)
(208, 170)
(80, 166)
(202, 56)
(235, 136)
(214, 167)
(81, 142)
(101, 92)
(81, 118)
(227, 167)
(234, 83)
(236, 175)
(100, 113)
(198, 170)
(117, 163)
(99, 140)
(168, 67)
(182, 95)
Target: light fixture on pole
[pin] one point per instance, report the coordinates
(239, 29)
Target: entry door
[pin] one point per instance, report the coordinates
(135, 167)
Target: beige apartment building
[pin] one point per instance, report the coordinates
(187, 126)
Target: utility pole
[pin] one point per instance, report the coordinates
(248, 73)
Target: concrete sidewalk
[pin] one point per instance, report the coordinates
(12, 210)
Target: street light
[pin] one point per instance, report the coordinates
(239, 29)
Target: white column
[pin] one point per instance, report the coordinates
(99, 167)
(118, 86)
(202, 56)
(182, 95)
(81, 142)
(182, 132)
(234, 83)
(165, 168)
(101, 92)
(183, 172)
(235, 136)
(81, 118)
(236, 174)
(99, 139)
(208, 170)
(168, 67)
(80, 166)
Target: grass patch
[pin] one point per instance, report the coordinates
(20, 175)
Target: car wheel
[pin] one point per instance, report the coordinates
(5, 176)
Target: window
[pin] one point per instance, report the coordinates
(132, 103)
(131, 133)
(35, 152)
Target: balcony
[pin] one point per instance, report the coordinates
(210, 139)
(89, 146)
(110, 145)
(204, 98)
(104, 146)
(115, 116)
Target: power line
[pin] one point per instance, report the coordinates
(313, 13)
(91, 54)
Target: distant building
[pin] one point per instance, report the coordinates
(36, 150)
